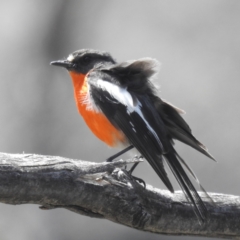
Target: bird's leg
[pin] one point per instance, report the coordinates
(136, 178)
(110, 159)
(134, 166)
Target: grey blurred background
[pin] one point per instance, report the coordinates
(197, 43)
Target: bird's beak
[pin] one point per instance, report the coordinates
(62, 63)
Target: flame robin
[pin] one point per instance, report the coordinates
(119, 103)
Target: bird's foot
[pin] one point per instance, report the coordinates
(139, 180)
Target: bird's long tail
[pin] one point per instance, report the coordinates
(174, 162)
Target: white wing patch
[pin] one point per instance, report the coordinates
(119, 93)
(125, 98)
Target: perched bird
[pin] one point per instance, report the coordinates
(119, 103)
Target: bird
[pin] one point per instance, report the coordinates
(121, 105)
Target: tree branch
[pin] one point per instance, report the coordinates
(104, 190)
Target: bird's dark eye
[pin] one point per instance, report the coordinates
(86, 59)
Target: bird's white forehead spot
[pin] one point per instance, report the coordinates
(70, 58)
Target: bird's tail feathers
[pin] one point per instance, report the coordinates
(174, 161)
(195, 178)
(159, 169)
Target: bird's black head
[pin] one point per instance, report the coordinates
(82, 61)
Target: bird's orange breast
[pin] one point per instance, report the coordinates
(95, 120)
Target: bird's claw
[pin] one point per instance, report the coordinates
(139, 180)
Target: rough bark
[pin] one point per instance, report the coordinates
(106, 190)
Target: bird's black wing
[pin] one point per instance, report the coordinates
(135, 117)
(136, 75)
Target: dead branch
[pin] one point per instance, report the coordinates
(106, 190)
